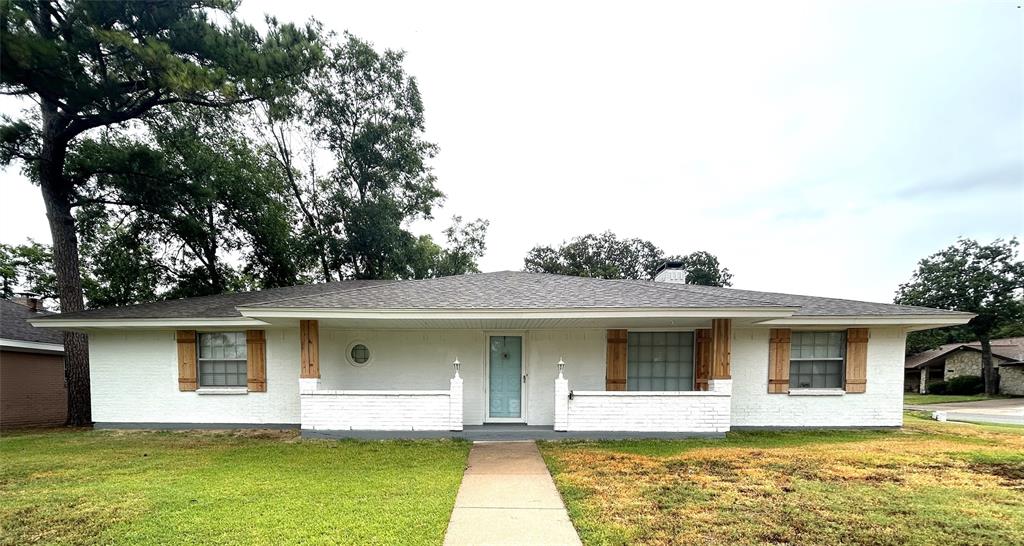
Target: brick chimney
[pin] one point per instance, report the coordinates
(28, 299)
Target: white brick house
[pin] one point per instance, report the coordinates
(569, 354)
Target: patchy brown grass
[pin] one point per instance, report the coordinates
(930, 483)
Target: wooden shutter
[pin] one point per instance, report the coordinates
(721, 348)
(778, 360)
(186, 360)
(309, 353)
(856, 359)
(256, 356)
(702, 371)
(615, 373)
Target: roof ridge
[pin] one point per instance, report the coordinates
(729, 288)
(685, 286)
(377, 283)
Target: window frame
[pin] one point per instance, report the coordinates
(841, 359)
(692, 386)
(244, 360)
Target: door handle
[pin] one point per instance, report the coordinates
(524, 377)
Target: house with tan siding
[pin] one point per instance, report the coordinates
(566, 356)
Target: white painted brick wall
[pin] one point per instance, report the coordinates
(370, 410)
(649, 411)
(134, 379)
(880, 406)
(383, 410)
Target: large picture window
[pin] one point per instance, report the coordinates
(816, 360)
(660, 361)
(222, 359)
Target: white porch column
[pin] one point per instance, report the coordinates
(455, 400)
(923, 386)
(561, 400)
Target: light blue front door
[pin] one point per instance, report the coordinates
(506, 377)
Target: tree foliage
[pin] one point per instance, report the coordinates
(987, 280)
(89, 65)
(27, 267)
(605, 256)
(356, 160)
(702, 267)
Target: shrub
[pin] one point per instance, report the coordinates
(939, 387)
(965, 384)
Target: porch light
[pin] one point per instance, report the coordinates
(561, 366)
(456, 365)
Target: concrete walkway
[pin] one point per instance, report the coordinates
(999, 410)
(508, 497)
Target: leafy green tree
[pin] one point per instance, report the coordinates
(28, 267)
(95, 64)
(702, 267)
(605, 256)
(987, 280)
(229, 200)
(466, 244)
(364, 112)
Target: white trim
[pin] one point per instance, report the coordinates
(376, 393)
(816, 392)
(847, 320)
(222, 390)
(649, 393)
(471, 314)
(32, 345)
(190, 323)
(524, 371)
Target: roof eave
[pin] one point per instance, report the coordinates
(41, 347)
(82, 324)
(912, 322)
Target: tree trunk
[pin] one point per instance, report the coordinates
(57, 194)
(988, 373)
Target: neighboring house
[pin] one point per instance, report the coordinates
(959, 359)
(568, 353)
(32, 391)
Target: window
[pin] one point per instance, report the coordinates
(360, 354)
(222, 359)
(659, 361)
(816, 360)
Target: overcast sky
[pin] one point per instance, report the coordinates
(818, 148)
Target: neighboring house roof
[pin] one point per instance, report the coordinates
(505, 290)
(1003, 349)
(14, 325)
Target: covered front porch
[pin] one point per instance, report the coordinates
(516, 380)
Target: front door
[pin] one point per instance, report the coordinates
(505, 378)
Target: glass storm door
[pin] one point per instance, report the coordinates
(506, 377)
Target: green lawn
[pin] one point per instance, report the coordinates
(106, 487)
(931, 483)
(910, 398)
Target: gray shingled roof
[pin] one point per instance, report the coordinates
(812, 305)
(1009, 349)
(500, 290)
(14, 325)
(219, 306)
(516, 290)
